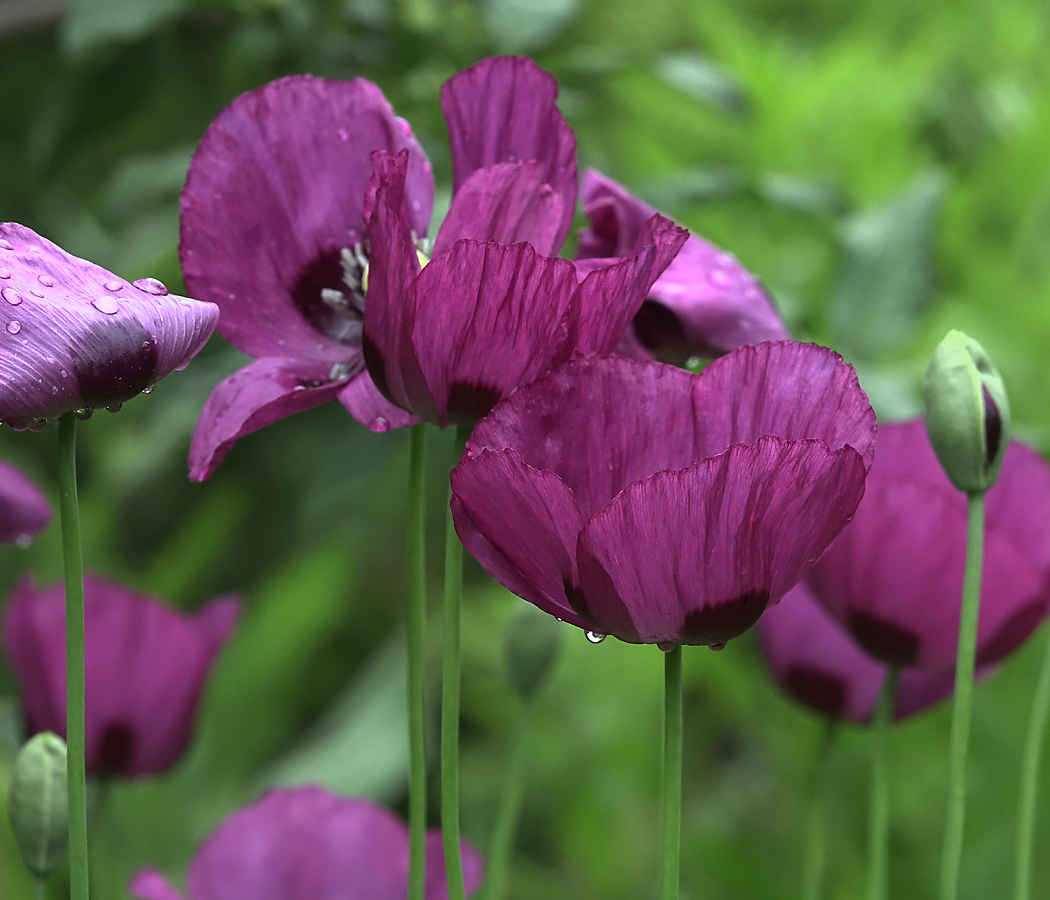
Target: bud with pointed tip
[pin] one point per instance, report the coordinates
(967, 412)
(38, 803)
(533, 644)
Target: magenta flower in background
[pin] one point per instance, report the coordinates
(77, 337)
(893, 578)
(704, 304)
(24, 511)
(145, 666)
(635, 499)
(307, 844)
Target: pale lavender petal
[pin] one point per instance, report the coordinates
(76, 335)
(275, 190)
(363, 401)
(437, 883)
(24, 510)
(258, 395)
(149, 884)
(503, 109)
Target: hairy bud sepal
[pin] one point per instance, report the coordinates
(38, 803)
(533, 644)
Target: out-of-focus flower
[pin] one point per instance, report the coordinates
(814, 660)
(76, 337)
(449, 342)
(307, 844)
(635, 499)
(893, 578)
(704, 304)
(24, 511)
(145, 666)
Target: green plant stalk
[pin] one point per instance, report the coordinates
(450, 696)
(672, 774)
(879, 812)
(963, 705)
(417, 624)
(1033, 752)
(74, 574)
(39, 888)
(813, 862)
(510, 808)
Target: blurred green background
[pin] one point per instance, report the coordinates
(883, 166)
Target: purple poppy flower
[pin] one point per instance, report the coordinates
(894, 576)
(78, 337)
(145, 666)
(307, 844)
(704, 304)
(24, 511)
(636, 499)
(814, 660)
(483, 318)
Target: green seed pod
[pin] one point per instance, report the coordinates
(967, 412)
(533, 643)
(38, 803)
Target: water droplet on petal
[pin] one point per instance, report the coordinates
(595, 637)
(717, 647)
(666, 646)
(83, 414)
(343, 135)
(113, 285)
(6, 245)
(11, 295)
(13, 327)
(37, 424)
(116, 407)
(105, 305)
(54, 390)
(720, 278)
(5, 273)
(46, 280)
(64, 373)
(725, 259)
(23, 541)
(36, 293)
(151, 286)
(379, 424)
(148, 390)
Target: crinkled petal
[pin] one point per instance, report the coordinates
(506, 203)
(437, 885)
(256, 396)
(489, 318)
(24, 510)
(504, 109)
(521, 525)
(275, 190)
(149, 884)
(76, 336)
(695, 556)
(363, 401)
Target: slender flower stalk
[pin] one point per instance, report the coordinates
(39, 888)
(672, 780)
(417, 620)
(1033, 752)
(450, 695)
(813, 861)
(74, 572)
(879, 818)
(510, 808)
(961, 710)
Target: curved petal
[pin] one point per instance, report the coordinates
(24, 511)
(78, 336)
(216, 620)
(437, 885)
(504, 109)
(694, 557)
(274, 192)
(521, 525)
(149, 884)
(363, 401)
(506, 203)
(258, 395)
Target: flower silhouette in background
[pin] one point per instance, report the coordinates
(307, 844)
(24, 511)
(77, 337)
(893, 577)
(145, 667)
(635, 499)
(704, 304)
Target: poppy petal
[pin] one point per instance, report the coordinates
(24, 511)
(370, 408)
(437, 883)
(149, 884)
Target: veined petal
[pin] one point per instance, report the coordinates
(370, 408)
(437, 884)
(258, 395)
(149, 884)
(504, 110)
(24, 511)
(274, 192)
(695, 556)
(506, 203)
(521, 525)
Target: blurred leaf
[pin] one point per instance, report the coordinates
(360, 747)
(691, 187)
(521, 26)
(887, 272)
(704, 80)
(801, 194)
(146, 179)
(91, 24)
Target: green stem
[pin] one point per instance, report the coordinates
(74, 571)
(450, 697)
(417, 624)
(964, 666)
(813, 863)
(510, 809)
(39, 888)
(1033, 751)
(672, 774)
(879, 814)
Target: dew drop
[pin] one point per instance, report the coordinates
(113, 285)
(54, 390)
(379, 424)
(5, 273)
(14, 326)
(6, 244)
(666, 646)
(23, 541)
(37, 424)
(720, 278)
(36, 293)
(83, 414)
(105, 305)
(46, 280)
(725, 259)
(114, 408)
(151, 286)
(343, 135)
(148, 390)
(64, 373)
(718, 648)
(595, 637)
(11, 296)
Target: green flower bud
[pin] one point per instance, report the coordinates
(967, 412)
(533, 643)
(38, 803)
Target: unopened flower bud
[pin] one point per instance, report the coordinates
(38, 803)
(533, 643)
(967, 412)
